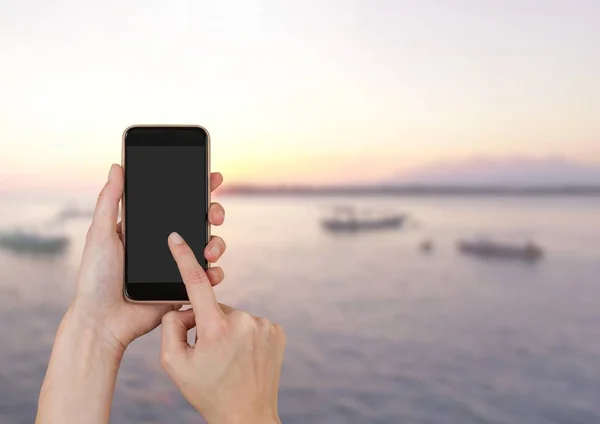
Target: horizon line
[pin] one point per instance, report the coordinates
(386, 189)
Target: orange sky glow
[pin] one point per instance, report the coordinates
(296, 92)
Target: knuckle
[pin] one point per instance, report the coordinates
(103, 193)
(169, 317)
(247, 322)
(166, 360)
(263, 323)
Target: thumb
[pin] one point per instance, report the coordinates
(107, 205)
(174, 344)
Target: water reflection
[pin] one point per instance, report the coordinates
(377, 331)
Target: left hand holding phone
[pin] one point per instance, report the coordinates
(99, 300)
(99, 325)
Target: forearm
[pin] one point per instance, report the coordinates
(81, 376)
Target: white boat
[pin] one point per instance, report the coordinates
(22, 241)
(527, 251)
(347, 219)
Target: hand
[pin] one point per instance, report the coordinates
(99, 300)
(231, 374)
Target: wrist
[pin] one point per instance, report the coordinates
(81, 325)
(264, 419)
(82, 372)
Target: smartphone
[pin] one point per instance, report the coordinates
(167, 177)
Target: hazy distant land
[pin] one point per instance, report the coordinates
(514, 171)
(480, 176)
(411, 190)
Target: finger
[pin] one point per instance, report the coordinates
(215, 275)
(197, 284)
(216, 214)
(214, 249)
(216, 179)
(174, 343)
(107, 206)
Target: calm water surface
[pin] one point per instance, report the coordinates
(377, 331)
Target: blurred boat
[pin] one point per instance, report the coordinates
(74, 212)
(490, 249)
(426, 246)
(21, 241)
(348, 219)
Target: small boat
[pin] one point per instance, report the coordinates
(528, 251)
(73, 212)
(426, 246)
(21, 241)
(347, 219)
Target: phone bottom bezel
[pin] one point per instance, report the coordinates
(156, 292)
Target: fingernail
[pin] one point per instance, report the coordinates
(222, 213)
(214, 251)
(176, 238)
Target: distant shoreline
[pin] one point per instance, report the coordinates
(413, 191)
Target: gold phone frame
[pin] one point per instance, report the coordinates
(123, 232)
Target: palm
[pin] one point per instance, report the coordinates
(141, 318)
(100, 281)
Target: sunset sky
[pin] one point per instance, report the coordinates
(304, 91)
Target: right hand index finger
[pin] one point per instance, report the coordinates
(199, 289)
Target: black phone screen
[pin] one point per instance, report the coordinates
(166, 183)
